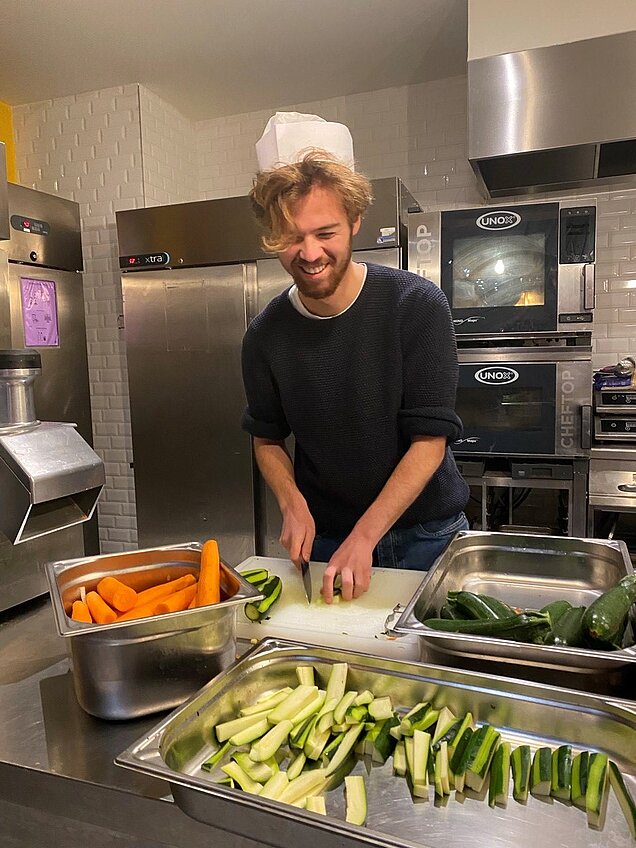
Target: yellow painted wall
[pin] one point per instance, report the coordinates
(6, 135)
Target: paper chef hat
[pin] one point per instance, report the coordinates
(289, 134)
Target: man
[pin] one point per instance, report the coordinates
(359, 362)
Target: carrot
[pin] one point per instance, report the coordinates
(99, 609)
(139, 611)
(209, 591)
(193, 603)
(81, 613)
(177, 601)
(154, 593)
(117, 594)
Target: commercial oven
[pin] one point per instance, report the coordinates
(515, 271)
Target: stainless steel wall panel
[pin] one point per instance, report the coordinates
(62, 246)
(193, 466)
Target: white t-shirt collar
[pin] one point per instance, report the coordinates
(299, 306)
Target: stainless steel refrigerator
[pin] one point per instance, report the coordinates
(42, 260)
(193, 276)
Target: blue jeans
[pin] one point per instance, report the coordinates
(415, 548)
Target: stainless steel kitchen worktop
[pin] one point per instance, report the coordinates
(56, 761)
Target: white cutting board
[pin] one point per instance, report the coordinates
(356, 625)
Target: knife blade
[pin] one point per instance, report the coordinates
(304, 570)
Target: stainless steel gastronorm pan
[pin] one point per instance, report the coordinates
(524, 712)
(525, 571)
(128, 669)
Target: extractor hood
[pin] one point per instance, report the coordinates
(554, 118)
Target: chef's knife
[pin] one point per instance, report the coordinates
(304, 570)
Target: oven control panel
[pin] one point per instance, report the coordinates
(577, 234)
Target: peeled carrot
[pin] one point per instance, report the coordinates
(209, 591)
(81, 612)
(139, 611)
(155, 593)
(193, 603)
(177, 601)
(117, 594)
(99, 609)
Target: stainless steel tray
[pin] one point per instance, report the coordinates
(525, 571)
(523, 712)
(132, 668)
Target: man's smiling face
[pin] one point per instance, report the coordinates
(320, 254)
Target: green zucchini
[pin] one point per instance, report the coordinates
(356, 799)
(260, 772)
(305, 674)
(296, 765)
(597, 789)
(521, 759)
(605, 618)
(271, 589)
(453, 739)
(216, 757)
(500, 776)
(561, 781)
(459, 759)
(399, 759)
(384, 743)
(380, 708)
(343, 705)
(521, 627)
(316, 804)
(250, 734)
(472, 606)
(541, 774)
(481, 751)
(421, 751)
(445, 721)
(297, 700)
(555, 610)
(237, 774)
(267, 703)
(255, 575)
(345, 747)
(442, 779)
(355, 715)
(414, 715)
(226, 729)
(268, 744)
(306, 784)
(499, 608)
(580, 765)
(568, 629)
(448, 611)
(624, 797)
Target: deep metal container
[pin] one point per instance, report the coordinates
(525, 713)
(128, 669)
(529, 572)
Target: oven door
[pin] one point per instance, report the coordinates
(499, 269)
(507, 408)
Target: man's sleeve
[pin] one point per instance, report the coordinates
(430, 370)
(263, 416)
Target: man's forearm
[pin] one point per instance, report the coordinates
(409, 478)
(275, 464)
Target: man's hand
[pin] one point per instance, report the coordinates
(299, 530)
(352, 561)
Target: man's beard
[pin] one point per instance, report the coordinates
(324, 288)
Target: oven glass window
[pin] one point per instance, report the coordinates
(501, 410)
(505, 270)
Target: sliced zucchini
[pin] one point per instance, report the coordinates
(442, 782)
(413, 716)
(597, 789)
(226, 729)
(267, 703)
(454, 737)
(355, 715)
(380, 708)
(421, 749)
(216, 757)
(305, 674)
(271, 589)
(275, 786)
(296, 765)
(383, 743)
(331, 748)
(521, 759)
(343, 705)
(293, 704)
(316, 804)
(541, 774)
(580, 765)
(344, 749)
(364, 698)
(267, 746)
(399, 759)
(481, 751)
(326, 722)
(260, 772)
(337, 683)
(356, 799)
(312, 707)
(500, 776)
(237, 774)
(561, 785)
(624, 797)
(302, 786)
(445, 720)
(459, 760)
(250, 734)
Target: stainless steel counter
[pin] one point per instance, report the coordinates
(56, 761)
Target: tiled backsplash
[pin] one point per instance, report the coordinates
(125, 148)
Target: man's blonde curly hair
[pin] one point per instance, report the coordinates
(276, 192)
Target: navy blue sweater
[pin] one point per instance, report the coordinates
(354, 389)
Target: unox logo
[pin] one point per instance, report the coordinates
(496, 376)
(500, 220)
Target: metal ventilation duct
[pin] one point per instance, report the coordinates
(559, 117)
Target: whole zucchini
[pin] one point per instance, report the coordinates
(605, 618)
(568, 629)
(556, 609)
(520, 628)
(471, 606)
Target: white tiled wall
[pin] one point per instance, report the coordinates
(125, 148)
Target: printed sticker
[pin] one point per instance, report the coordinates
(386, 234)
(39, 312)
